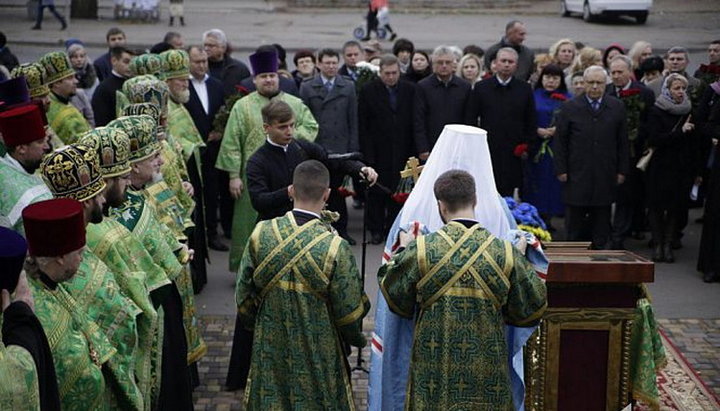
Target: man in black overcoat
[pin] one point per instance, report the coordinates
(104, 99)
(629, 204)
(591, 158)
(206, 98)
(442, 96)
(332, 100)
(388, 137)
(504, 106)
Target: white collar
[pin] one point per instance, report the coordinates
(306, 212)
(272, 143)
(10, 160)
(196, 81)
(503, 82)
(326, 80)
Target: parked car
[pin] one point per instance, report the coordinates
(591, 9)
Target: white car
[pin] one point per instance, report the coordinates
(590, 9)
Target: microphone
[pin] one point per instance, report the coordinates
(355, 155)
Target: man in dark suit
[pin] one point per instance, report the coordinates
(114, 38)
(505, 108)
(629, 205)
(221, 65)
(331, 99)
(591, 158)
(352, 55)
(442, 96)
(103, 100)
(388, 137)
(206, 98)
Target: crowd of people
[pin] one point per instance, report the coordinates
(118, 174)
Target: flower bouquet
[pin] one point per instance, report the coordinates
(346, 189)
(528, 219)
(222, 116)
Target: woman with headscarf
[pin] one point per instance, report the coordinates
(707, 118)
(674, 163)
(87, 80)
(542, 188)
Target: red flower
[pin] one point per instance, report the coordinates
(344, 192)
(629, 92)
(558, 96)
(242, 90)
(520, 149)
(710, 69)
(400, 198)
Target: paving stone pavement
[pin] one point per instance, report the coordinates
(698, 340)
(217, 330)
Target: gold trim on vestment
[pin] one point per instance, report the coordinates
(458, 274)
(330, 258)
(422, 258)
(426, 276)
(354, 315)
(467, 292)
(394, 308)
(481, 282)
(283, 242)
(291, 263)
(534, 316)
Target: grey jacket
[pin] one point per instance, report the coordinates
(336, 113)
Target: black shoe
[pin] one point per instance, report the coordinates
(36, 28)
(349, 239)
(668, 251)
(376, 238)
(658, 256)
(214, 243)
(393, 37)
(366, 38)
(64, 25)
(711, 277)
(182, 21)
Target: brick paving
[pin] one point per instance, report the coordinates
(217, 330)
(698, 340)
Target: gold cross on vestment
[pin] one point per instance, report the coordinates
(412, 169)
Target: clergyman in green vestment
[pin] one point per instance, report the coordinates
(299, 289)
(244, 134)
(465, 285)
(55, 232)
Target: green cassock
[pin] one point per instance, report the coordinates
(79, 348)
(182, 128)
(467, 285)
(19, 388)
(137, 275)
(18, 189)
(300, 289)
(174, 172)
(95, 289)
(140, 217)
(67, 122)
(243, 135)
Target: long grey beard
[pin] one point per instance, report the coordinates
(157, 177)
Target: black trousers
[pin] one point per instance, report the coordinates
(664, 223)
(336, 202)
(629, 206)
(41, 8)
(216, 192)
(381, 211)
(591, 223)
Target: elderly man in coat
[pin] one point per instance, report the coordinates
(331, 99)
(591, 158)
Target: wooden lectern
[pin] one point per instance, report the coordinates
(579, 358)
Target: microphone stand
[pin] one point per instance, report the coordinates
(360, 361)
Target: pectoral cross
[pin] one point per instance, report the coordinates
(412, 169)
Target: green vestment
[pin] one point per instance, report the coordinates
(467, 285)
(18, 379)
(244, 134)
(79, 348)
(137, 275)
(67, 121)
(300, 289)
(140, 217)
(95, 289)
(174, 172)
(18, 189)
